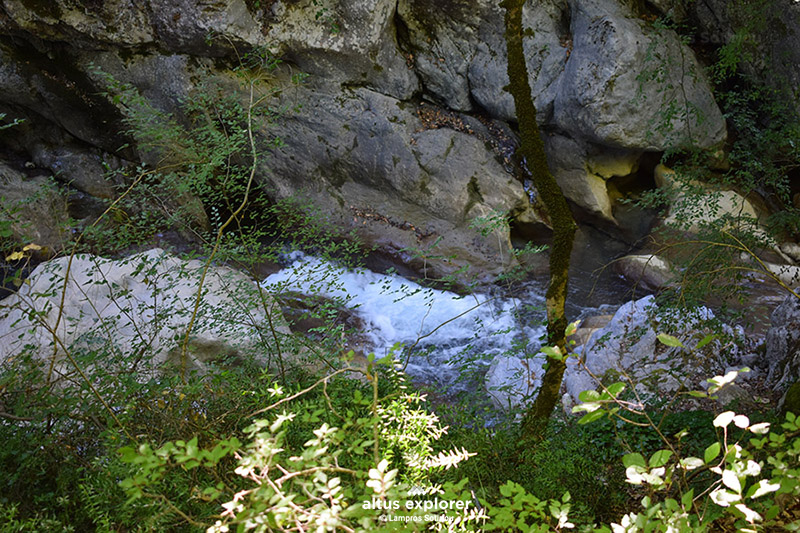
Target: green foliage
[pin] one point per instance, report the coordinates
(10, 523)
(249, 444)
(708, 194)
(11, 124)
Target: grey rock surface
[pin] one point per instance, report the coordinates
(629, 85)
(782, 343)
(601, 77)
(647, 271)
(35, 207)
(352, 44)
(366, 160)
(512, 381)
(627, 350)
(140, 304)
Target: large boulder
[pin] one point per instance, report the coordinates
(367, 161)
(137, 308)
(34, 208)
(783, 344)
(627, 350)
(647, 271)
(583, 170)
(697, 205)
(630, 85)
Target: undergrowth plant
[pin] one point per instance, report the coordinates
(730, 211)
(197, 400)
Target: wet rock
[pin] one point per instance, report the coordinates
(646, 271)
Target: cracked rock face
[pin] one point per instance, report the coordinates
(598, 76)
(629, 86)
(369, 163)
(783, 345)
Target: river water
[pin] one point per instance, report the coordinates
(444, 333)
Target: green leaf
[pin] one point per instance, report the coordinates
(772, 512)
(589, 396)
(127, 454)
(591, 417)
(705, 340)
(686, 499)
(669, 340)
(572, 328)
(634, 459)
(553, 352)
(660, 458)
(711, 452)
(615, 389)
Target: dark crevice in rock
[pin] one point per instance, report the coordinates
(565, 24)
(402, 33)
(70, 89)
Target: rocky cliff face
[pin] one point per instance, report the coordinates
(403, 130)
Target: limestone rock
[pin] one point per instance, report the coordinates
(787, 274)
(582, 171)
(459, 51)
(359, 50)
(137, 307)
(201, 28)
(703, 209)
(83, 168)
(47, 86)
(792, 250)
(628, 346)
(546, 49)
(35, 207)
(366, 161)
(122, 21)
(512, 381)
(621, 76)
(647, 271)
(783, 344)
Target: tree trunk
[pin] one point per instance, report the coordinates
(532, 150)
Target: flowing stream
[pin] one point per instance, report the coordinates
(443, 332)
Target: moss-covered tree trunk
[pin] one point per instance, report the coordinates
(532, 149)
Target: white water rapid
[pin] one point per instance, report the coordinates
(446, 331)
